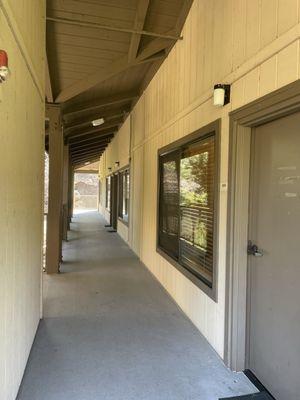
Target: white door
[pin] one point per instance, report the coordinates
(274, 276)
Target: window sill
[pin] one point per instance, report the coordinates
(210, 292)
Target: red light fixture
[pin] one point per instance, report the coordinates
(4, 71)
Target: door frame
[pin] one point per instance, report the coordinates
(273, 106)
(114, 200)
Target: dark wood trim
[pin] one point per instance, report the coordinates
(126, 167)
(202, 133)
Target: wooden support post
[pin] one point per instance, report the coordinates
(54, 220)
(65, 193)
(70, 193)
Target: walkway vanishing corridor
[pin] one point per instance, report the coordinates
(111, 332)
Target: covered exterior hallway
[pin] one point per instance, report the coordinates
(177, 123)
(110, 331)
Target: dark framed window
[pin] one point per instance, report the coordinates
(124, 192)
(187, 206)
(108, 193)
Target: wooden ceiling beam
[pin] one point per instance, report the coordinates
(116, 67)
(113, 125)
(80, 152)
(81, 164)
(90, 147)
(100, 103)
(135, 30)
(106, 139)
(88, 121)
(95, 150)
(83, 157)
(89, 143)
(139, 23)
(82, 139)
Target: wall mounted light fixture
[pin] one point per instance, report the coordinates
(221, 94)
(109, 168)
(117, 163)
(4, 71)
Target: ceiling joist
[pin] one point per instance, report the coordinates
(81, 164)
(83, 157)
(76, 149)
(139, 23)
(81, 152)
(100, 103)
(69, 21)
(88, 121)
(116, 67)
(113, 126)
(90, 143)
(82, 139)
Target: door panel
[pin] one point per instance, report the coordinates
(274, 278)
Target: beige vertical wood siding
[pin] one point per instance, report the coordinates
(21, 177)
(252, 44)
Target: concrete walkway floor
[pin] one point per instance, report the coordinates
(111, 332)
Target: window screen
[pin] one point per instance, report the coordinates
(187, 206)
(124, 189)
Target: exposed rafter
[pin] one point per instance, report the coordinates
(100, 103)
(116, 67)
(89, 148)
(83, 157)
(82, 139)
(81, 164)
(104, 127)
(88, 121)
(83, 145)
(139, 22)
(88, 24)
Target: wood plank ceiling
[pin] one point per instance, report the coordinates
(101, 55)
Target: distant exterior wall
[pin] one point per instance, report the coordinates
(252, 44)
(22, 35)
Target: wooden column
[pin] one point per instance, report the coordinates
(70, 194)
(54, 220)
(65, 193)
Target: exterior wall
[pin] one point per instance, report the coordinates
(254, 46)
(22, 35)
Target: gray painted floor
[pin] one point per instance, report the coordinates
(111, 332)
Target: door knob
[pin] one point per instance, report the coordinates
(253, 250)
